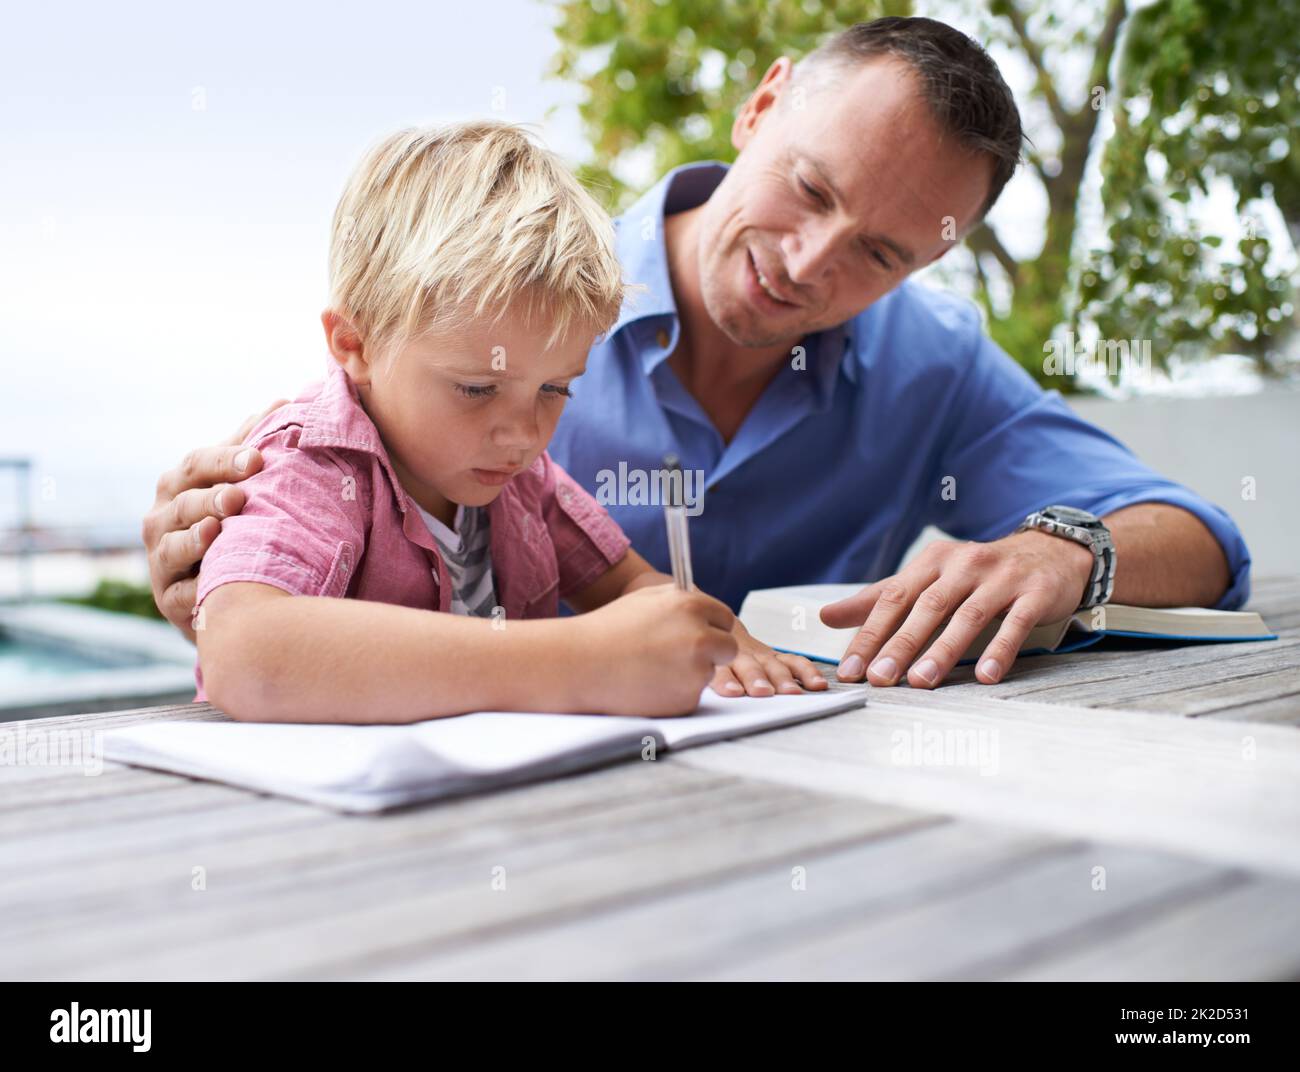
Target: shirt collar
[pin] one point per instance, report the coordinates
(652, 313)
(337, 419)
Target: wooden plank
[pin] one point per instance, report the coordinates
(1095, 679)
(1269, 595)
(342, 909)
(1283, 710)
(1193, 681)
(75, 738)
(685, 932)
(1104, 678)
(1246, 932)
(1004, 919)
(1236, 692)
(200, 712)
(1206, 788)
(149, 855)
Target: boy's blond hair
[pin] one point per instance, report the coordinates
(438, 225)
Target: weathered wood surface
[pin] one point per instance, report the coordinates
(1132, 815)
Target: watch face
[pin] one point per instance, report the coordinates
(1071, 516)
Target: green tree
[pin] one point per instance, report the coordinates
(663, 81)
(123, 597)
(1208, 89)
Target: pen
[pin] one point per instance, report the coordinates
(679, 542)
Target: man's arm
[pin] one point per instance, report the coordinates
(1166, 557)
(186, 517)
(1003, 448)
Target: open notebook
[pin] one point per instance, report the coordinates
(788, 619)
(370, 768)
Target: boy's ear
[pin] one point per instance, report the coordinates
(347, 346)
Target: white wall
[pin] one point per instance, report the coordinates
(1210, 445)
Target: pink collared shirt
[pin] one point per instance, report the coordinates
(327, 516)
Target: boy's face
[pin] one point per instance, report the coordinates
(460, 414)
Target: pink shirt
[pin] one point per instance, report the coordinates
(327, 516)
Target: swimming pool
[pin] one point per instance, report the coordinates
(22, 662)
(60, 659)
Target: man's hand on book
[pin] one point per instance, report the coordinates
(1027, 578)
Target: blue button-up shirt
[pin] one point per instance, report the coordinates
(906, 416)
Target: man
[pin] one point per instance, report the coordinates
(833, 408)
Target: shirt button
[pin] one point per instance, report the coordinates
(565, 492)
(662, 339)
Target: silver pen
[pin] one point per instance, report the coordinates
(679, 541)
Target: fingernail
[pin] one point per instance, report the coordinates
(195, 538)
(991, 668)
(732, 686)
(790, 686)
(851, 667)
(763, 683)
(885, 668)
(221, 502)
(241, 461)
(927, 670)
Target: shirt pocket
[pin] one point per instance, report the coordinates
(543, 600)
(593, 521)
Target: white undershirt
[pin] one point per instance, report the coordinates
(473, 590)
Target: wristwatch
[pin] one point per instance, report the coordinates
(1087, 529)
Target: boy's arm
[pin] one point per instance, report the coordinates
(268, 656)
(628, 574)
(271, 656)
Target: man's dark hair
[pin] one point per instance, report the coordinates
(961, 83)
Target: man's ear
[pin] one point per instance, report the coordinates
(347, 346)
(760, 102)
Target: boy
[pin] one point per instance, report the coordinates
(470, 274)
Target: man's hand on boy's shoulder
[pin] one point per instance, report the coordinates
(186, 516)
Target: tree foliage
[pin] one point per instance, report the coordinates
(1205, 89)
(664, 80)
(1208, 89)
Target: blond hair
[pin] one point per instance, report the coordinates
(438, 225)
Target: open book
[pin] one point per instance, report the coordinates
(789, 619)
(370, 768)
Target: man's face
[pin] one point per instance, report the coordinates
(837, 195)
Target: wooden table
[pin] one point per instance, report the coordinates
(1120, 815)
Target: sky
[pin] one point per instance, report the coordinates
(167, 177)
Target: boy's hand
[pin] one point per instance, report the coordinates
(652, 652)
(186, 517)
(760, 671)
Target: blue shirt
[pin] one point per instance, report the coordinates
(906, 416)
